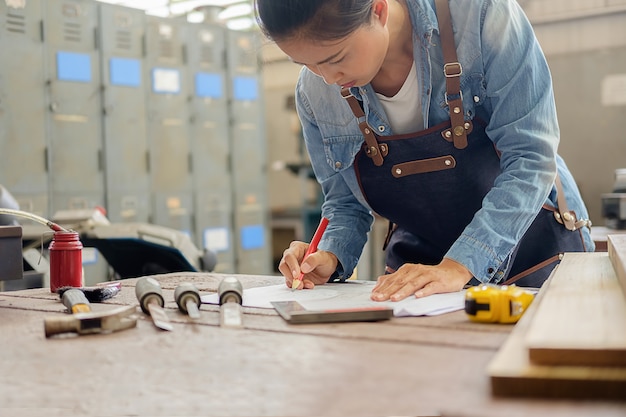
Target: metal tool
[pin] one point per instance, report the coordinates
(614, 203)
(98, 293)
(187, 297)
(76, 301)
(293, 312)
(230, 293)
(495, 303)
(150, 296)
(89, 323)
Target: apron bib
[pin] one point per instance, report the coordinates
(430, 190)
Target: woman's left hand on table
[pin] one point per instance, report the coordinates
(421, 281)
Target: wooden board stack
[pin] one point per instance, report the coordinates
(571, 343)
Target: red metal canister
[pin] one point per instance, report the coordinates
(66, 260)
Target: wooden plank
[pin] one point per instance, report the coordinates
(617, 254)
(513, 375)
(582, 318)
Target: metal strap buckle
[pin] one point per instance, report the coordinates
(346, 93)
(452, 69)
(446, 96)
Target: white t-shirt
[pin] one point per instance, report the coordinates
(404, 110)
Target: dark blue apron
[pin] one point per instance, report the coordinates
(430, 190)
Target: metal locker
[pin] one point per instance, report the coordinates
(249, 154)
(74, 126)
(209, 135)
(23, 169)
(126, 173)
(168, 124)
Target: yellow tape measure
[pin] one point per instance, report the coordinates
(497, 303)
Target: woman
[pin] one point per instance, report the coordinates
(451, 134)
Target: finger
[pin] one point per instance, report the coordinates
(379, 282)
(402, 293)
(311, 262)
(384, 281)
(391, 285)
(289, 273)
(289, 265)
(433, 287)
(308, 284)
(284, 269)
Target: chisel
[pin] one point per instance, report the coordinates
(150, 296)
(76, 301)
(95, 294)
(230, 293)
(187, 297)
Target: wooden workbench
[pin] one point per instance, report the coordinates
(416, 366)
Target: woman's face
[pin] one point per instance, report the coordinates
(351, 61)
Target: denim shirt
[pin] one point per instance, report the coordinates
(505, 81)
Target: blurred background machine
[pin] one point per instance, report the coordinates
(129, 249)
(614, 203)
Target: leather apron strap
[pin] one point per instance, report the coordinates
(535, 268)
(563, 215)
(452, 70)
(374, 150)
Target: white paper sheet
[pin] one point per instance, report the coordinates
(347, 295)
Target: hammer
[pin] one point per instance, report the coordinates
(89, 323)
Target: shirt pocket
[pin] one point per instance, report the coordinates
(341, 150)
(474, 96)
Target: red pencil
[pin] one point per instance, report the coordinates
(312, 248)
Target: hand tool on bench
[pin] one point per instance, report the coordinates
(497, 303)
(96, 294)
(230, 293)
(89, 323)
(150, 297)
(187, 298)
(75, 301)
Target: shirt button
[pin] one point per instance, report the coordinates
(338, 164)
(381, 128)
(476, 99)
(490, 270)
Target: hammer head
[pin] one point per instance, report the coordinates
(89, 323)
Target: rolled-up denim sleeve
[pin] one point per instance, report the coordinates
(349, 221)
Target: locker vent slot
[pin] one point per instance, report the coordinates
(72, 31)
(15, 23)
(207, 55)
(123, 39)
(166, 49)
